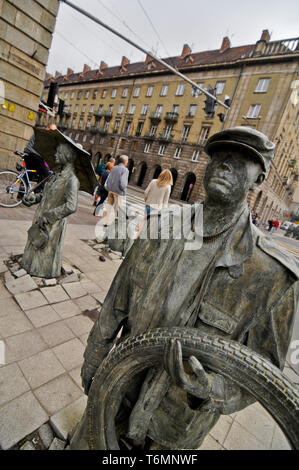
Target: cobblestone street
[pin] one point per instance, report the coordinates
(45, 329)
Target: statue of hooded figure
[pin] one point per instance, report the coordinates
(43, 252)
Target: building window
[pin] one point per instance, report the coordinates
(88, 122)
(175, 108)
(86, 94)
(76, 108)
(262, 85)
(104, 93)
(159, 110)
(120, 109)
(73, 122)
(192, 110)
(180, 89)
(128, 127)
(147, 147)
(100, 108)
(116, 125)
(72, 95)
(162, 150)
(66, 95)
(150, 91)
(195, 92)
(80, 123)
(139, 128)
(77, 137)
(132, 108)
(84, 138)
(113, 93)
(168, 131)
(95, 94)
(136, 92)
(70, 135)
(164, 90)
(125, 93)
(203, 135)
(91, 109)
(254, 111)
(153, 130)
(106, 126)
(185, 133)
(79, 95)
(219, 87)
(110, 108)
(83, 108)
(177, 153)
(144, 109)
(195, 156)
(102, 140)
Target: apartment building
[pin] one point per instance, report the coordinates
(153, 116)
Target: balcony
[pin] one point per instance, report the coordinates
(149, 136)
(286, 46)
(94, 130)
(165, 137)
(98, 114)
(155, 117)
(103, 131)
(171, 117)
(138, 133)
(292, 162)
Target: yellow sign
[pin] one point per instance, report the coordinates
(30, 115)
(11, 108)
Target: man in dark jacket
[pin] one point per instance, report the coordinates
(239, 285)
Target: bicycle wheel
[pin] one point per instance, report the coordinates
(12, 189)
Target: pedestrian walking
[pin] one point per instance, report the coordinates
(158, 192)
(101, 192)
(116, 185)
(270, 222)
(100, 169)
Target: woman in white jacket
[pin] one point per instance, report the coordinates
(158, 191)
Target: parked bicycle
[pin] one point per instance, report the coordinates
(14, 186)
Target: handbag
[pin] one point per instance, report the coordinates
(38, 236)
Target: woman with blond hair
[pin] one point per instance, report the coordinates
(158, 191)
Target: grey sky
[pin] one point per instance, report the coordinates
(201, 24)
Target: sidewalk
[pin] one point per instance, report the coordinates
(45, 329)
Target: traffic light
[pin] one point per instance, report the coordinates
(60, 108)
(53, 90)
(209, 108)
(221, 117)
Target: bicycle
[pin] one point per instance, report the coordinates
(14, 186)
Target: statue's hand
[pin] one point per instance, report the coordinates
(29, 200)
(198, 383)
(42, 221)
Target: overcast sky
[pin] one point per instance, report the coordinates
(168, 25)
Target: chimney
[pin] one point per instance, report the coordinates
(48, 76)
(124, 61)
(186, 51)
(86, 68)
(265, 35)
(148, 59)
(103, 65)
(225, 44)
(57, 74)
(69, 72)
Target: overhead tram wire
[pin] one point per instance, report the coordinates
(91, 61)
(153, 56)
(153, 27)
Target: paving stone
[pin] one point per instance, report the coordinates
(57, 394)
(42, 316)
(12, 383)
(100, 296)
(84, 338)
(27, 446)
(57, 444)
(239, 438)
(41, 368)
(70, 354)
(74, 290)
(39, 281)
(49, 282)
(20, 273)
(279, 441)
(8, 277)
(79, 324)
(30, 300)
(67, 418)
(89, 286)
(258, 423)
(210, 443)
(220, 431)
(14, 323)
(55, 294)
(8, 306)
(67, 309)
(86, 303)
(14, 268)
(4, 294)
(24, 345)
(76, 376)
(46, 434)
(56, 333)
(23, 284)
(70, 278)
(19, 418)
(3, 267)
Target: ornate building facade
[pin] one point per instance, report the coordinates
(151, 115)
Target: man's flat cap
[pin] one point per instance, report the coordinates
(249, 140)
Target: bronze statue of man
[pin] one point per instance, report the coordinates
(43, 252)
(239, 285)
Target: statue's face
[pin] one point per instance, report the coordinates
(230, 175)
(64, 154)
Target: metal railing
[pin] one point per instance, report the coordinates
(286, 46)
